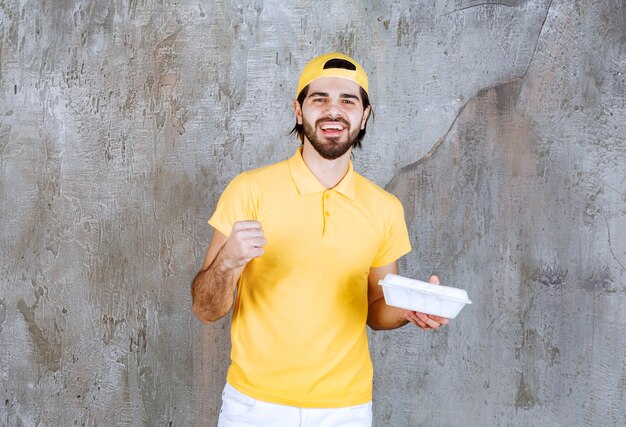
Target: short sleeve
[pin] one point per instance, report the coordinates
(396, 243)
(237, 203)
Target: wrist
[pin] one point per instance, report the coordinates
(224, 264)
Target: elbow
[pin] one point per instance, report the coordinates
(206, 306)
(378, 324)
(375, 327)
(207, 315)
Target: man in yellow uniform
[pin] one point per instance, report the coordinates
(298, 249)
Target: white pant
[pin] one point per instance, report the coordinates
(239, 410)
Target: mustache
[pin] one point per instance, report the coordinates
(332, 119)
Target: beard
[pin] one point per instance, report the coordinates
(329, 148)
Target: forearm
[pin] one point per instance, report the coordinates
(213, 290)
(381, 316)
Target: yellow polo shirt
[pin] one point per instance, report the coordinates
(299, 321)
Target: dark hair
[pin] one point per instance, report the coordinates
(299, 129)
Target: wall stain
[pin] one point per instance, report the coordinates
(3, 313)
(534, 346)
(551, 276)
(163, 84)
(403, 31)
(346, 41)
(600, 280)
(48, 344)
(524, 399)
(139, 343)
(110, 326)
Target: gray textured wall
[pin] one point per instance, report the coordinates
(499, 124)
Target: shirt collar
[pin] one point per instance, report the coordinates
(307, 183)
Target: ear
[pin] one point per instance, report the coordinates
(298, 110)
(366, 115)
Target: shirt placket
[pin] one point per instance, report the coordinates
(328, 211)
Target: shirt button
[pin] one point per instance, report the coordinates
(327, 195)
(327, 213)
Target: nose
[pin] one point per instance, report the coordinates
(333, 109)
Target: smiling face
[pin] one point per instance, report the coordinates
(332, 116)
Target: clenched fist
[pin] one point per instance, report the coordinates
(245, 242)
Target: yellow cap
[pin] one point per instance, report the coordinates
(315, 69)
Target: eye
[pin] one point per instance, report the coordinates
(348, 101)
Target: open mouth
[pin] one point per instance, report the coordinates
(332, 129)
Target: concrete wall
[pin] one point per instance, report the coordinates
(500, 125)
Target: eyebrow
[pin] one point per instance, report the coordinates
(341, 95)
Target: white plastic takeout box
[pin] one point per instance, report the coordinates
(416, 295)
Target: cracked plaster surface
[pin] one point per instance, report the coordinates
(121, 122)
(500, 206)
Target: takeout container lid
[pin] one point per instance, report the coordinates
(411, 294)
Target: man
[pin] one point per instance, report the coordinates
(298, 248)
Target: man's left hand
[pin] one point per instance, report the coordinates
(426, 321)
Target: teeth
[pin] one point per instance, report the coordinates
(335, 127)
